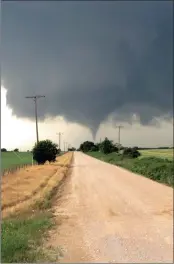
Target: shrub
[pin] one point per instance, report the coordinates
(3, 150)
(44, 151)
(131, 152)
(86, 146)
(94, 148)
(16, 150)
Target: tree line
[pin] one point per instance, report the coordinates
(5, 150)
(108, 146)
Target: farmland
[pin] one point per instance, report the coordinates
(28, 185)
(29, 191)
(13, 159)
(159, 153)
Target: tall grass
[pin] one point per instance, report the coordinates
(21, 238)
(157, 169)
(25, 225)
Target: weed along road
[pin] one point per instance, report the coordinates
(107, 214)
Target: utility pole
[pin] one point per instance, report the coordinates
(67, 146)
(119, 130)
(59, 134)
(35, 102)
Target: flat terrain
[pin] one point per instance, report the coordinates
(13, 159)
(108, 214)
(25, 187)
(159, 153)
(26, 199)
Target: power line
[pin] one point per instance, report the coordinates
(35, 102)
(66, 146)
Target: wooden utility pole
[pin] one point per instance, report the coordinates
(119, 130)
(35, 102)
(59, 134)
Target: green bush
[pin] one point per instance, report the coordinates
(94, 148)
(3, 150)
(131, 152)
(16, 150)
(44, 151)
(86, 146)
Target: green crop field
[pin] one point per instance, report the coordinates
(159, 153)
(13, 159)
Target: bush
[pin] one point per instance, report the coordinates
(86, 146)
(131, 152)
(94, 148)
(3, 150)
(44, 151)
(16, 150)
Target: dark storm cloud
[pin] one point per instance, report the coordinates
(89, 58)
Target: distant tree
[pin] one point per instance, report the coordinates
(94, 148)
(45, 150)
(107, 146)
(3, 150)
(16, 150)
(98, 145)
(135, 148)
(86, 146)
(71, 149)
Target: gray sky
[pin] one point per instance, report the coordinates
(90, 59)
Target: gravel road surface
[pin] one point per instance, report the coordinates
(111, 215)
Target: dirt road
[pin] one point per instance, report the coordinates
(111, 215)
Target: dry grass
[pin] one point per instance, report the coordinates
(27, 187)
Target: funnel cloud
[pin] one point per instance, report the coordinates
(89, 59)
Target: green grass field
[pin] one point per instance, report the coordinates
(159, 153)
(13, 159)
